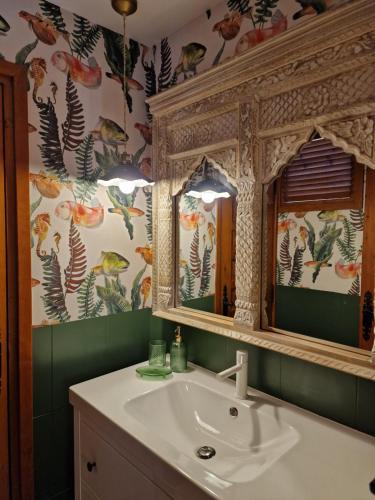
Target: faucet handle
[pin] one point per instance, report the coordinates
(241, 357)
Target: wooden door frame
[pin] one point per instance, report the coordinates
(18, 281)
(225, 252)
(4, 454)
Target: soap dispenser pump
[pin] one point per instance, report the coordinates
(178, 353)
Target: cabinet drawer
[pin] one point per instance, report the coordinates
(108, 475)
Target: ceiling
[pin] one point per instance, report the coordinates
(153, 20)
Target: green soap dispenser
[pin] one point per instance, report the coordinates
(178, 353)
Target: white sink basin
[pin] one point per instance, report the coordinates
(270, 450)
(189, 415)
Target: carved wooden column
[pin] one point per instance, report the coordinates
(248, 229)
(247, 254)
(162, 223)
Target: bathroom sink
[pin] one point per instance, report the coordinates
(244, 440)
(270, 449)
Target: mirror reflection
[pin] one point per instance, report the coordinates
(321, 233)
(206, 241)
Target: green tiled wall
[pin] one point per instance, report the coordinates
(64, 355)
(73, 352)
(297, 311)
(202, 304)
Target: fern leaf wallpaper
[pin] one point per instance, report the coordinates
(84, 238)
(232, 27)
(320, 250)
(91, 247)
(197, 234)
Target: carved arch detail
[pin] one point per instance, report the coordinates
(355, 136)
(279, 150)
(225, 161)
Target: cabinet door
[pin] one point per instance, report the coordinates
(87, 494)
(108, 474)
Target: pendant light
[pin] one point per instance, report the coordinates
(208, 189)
(126, 175)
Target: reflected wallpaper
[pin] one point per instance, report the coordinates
(197, 233)
(320, 250)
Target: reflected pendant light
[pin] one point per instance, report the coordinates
(126, 175)
(208, 189)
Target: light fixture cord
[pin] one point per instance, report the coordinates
(124, 77)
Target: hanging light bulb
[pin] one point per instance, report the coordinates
(126, 187)
(126, 175)
(208, 196)
(208, 189)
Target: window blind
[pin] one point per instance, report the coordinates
(320, 171)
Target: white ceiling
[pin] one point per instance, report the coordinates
(153, 20)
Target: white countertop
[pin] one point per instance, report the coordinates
(329, 462)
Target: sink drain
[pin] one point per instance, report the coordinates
(205, 452)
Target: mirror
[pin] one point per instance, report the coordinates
(251, 119)
(206, 218)
(321, 228)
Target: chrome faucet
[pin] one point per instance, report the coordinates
(240, 369)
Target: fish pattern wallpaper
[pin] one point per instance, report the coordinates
(197, 237)
(320, 250)
(90, 246)
(228, 30)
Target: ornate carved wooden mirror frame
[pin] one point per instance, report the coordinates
(249, 116)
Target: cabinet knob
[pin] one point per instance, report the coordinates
(91, 466)
(372, 486)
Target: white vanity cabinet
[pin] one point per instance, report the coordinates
(104, 473)
(111, 465)
(139, 440)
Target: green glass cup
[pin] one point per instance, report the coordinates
(157, 353)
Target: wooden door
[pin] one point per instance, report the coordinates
(4, 450)
(225, 284)
(16, 471)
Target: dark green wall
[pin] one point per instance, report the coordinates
(70, 353)
(64, 355)
(301, 310)
(206, 304)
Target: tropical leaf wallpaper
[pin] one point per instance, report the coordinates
(320, 250)
(91, 247)
(197, 235)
